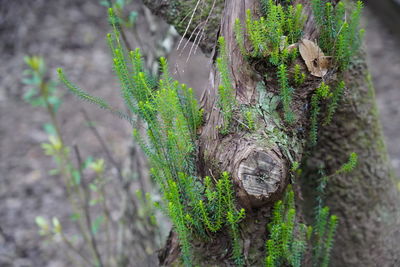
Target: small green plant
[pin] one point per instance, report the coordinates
(299, 77)
(249, 119)
(340, 35)
(325, 225)
(270, 35)
(120, 6)
(349, 165)
(288, 242)
(324, 231)
(332, 225)
(285, 93)
(321, 93)
(42, 92)
(124, 19)
(172, 116)
(315, 109)
(334, 101)
(324, 93)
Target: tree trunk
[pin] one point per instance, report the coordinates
(365, 200)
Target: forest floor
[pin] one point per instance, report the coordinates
(71, 34)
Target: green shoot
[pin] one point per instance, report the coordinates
(286, 94)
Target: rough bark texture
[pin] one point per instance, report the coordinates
(366, 201)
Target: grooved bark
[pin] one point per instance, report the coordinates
(366, 200)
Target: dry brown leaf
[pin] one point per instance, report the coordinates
(317, 63)
(291, 47)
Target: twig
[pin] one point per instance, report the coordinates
(123, 35)
(87, 210)
(103, 145)
(77, 251)
(130, 213)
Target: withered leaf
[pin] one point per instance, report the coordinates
(317, 63)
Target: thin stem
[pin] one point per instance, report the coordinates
(103, 145)
(65, 163)
(86, 202)
(72, 248)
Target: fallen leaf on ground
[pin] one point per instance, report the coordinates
(316, 61)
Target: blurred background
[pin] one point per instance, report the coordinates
(71, 34)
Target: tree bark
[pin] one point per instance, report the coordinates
(366, 200)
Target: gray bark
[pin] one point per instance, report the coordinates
(367, 199)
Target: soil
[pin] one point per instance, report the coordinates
(71, 34)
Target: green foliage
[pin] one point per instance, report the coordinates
(119, 6)
(289, 239)
(285, 93)
(226, 91)
(326, 224)
(180, 220)
(298, 76)
(43, 92)
(199, 207)
(340, 36)
(287, 242)
(249, 118)
(334, 101)
(294, 22)
(323, 91)
(233, 217)
(349, 165)
(265, 6)
(315, 109)
(269, 36)
(172, 116)
(323, 233)
(332, 225)
(220, 210)
(324, 228)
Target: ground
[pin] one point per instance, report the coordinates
(71, 34)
